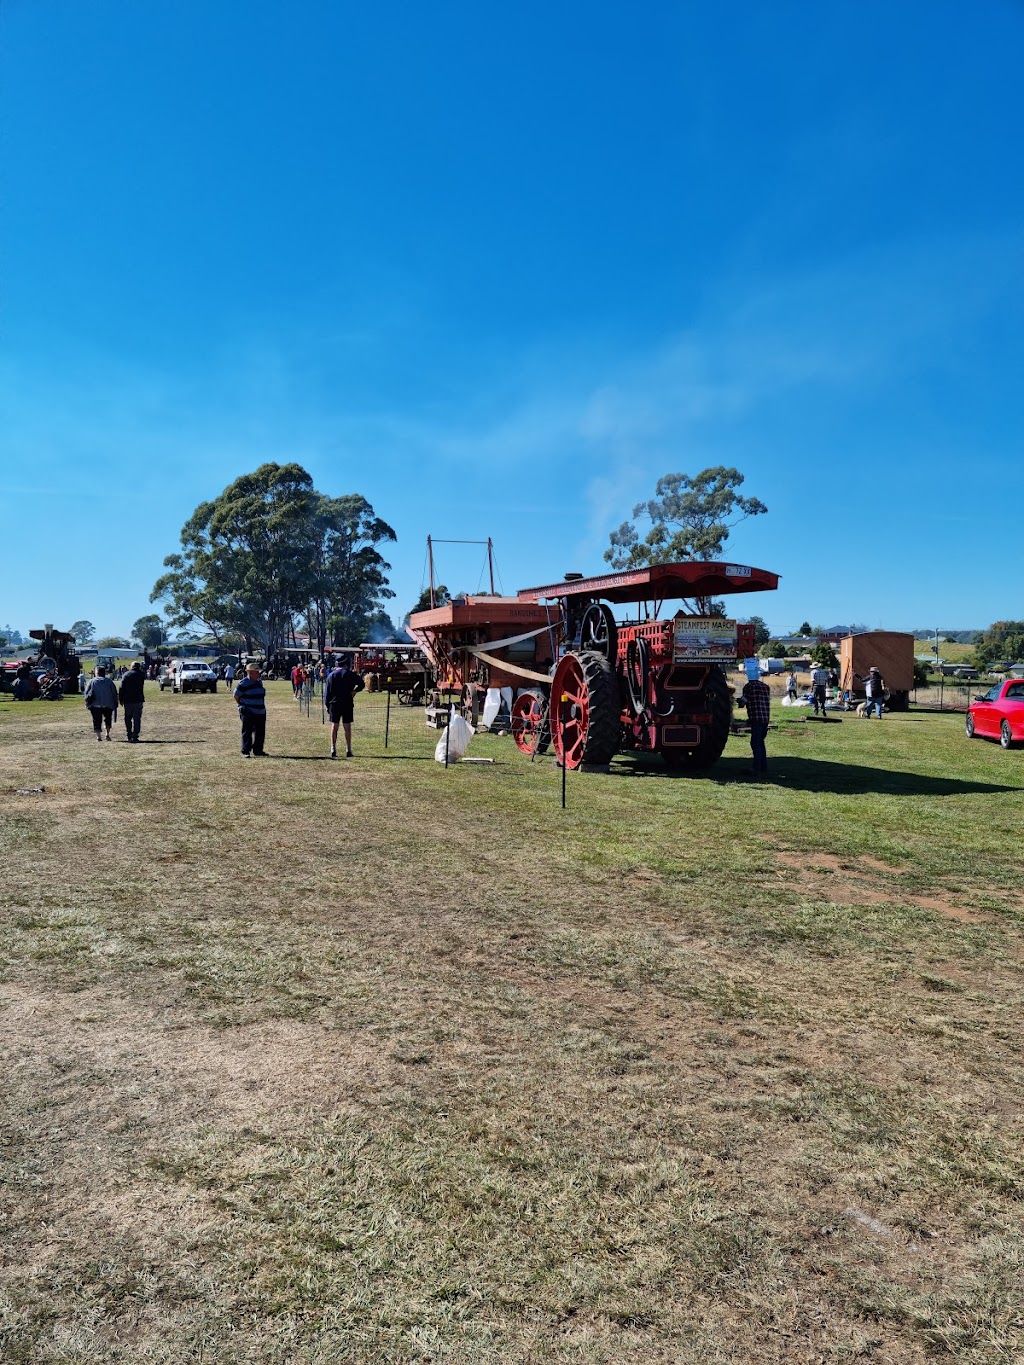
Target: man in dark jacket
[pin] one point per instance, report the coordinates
(343, 683)
(129, 694)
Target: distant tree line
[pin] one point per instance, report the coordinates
(271, 555)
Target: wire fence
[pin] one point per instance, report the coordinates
(387, 716)
(943, 696)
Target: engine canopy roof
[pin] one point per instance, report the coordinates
(661, 582)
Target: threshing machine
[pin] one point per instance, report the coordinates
(590, 685)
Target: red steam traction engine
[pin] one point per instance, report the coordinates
(646, 684)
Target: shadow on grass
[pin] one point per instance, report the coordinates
(356, 758)
(815, 774)
(167, 741)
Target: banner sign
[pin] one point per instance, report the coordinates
(704, 639)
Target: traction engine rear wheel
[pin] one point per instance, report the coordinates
(718, 701)
(530, 724)
(585, 725)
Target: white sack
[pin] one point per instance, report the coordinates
(455, 745)
(492, 705)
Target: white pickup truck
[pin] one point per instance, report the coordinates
(189, 675)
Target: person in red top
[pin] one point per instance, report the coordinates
(759, 713)
(296, 680)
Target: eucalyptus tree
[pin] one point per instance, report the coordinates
(349, 580)
(690, 517)
(271, 548)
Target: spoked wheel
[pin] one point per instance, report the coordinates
(598, 631)
(1006, 735)
(530, 724)
(638, 670)
(584, 711)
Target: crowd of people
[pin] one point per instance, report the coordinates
(105, 694)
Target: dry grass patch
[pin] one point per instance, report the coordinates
(314, 1062)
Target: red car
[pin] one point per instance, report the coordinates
(999, 714)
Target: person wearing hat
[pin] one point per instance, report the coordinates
(819, 684)
(343, 683)
(251, 698)
(874, 686)
(129, 694)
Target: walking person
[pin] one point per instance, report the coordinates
(791, 687)
(101, 700)
(819, 682)
(758, 701)
(343, 683)
(874, 686)
(130, 695)
(251, 697)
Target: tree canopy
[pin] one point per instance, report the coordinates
(761, 632)
(824, 655)
(1002, 642)
(348, 582)
(271, 548)
(690, 519)
(83, 631)
(150, 631)
(441, 599)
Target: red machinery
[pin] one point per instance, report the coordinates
(401, 669)
(475, 643)
(648, 684)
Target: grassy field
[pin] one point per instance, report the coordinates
(366, 1061)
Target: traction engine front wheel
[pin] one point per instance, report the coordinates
(584, 711)
(530, 724)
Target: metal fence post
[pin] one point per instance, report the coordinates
(387, 720)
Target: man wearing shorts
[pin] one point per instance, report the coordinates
(342, 685)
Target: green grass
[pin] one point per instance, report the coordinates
(316, 1062)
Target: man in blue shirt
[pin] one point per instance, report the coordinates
(252, 710)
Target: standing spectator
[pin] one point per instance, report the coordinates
(130, 695)
(251, 697)
(296, 680)
(759, 710)
(819, 682)
(791, 687)
(101, 700)
(342, 685)
(229, 673)
(874, 686)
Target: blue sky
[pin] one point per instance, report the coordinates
(499, 268)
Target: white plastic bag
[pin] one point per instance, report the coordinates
(455, 744)
(492, 705)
